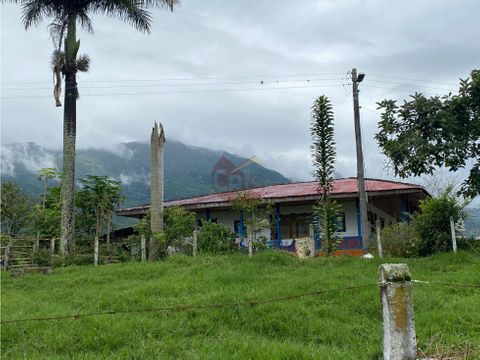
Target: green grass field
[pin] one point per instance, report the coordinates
(337, 325)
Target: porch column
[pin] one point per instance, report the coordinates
(404, 207)
(279, 227)
(241, 228)
(359, 224)
(207, 214)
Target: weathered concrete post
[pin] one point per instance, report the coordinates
(399, 340)
(52, 246)
(454, 237)
(143, 248)
(95, 252)
(379, 240)
(194, 243)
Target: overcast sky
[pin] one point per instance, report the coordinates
(201, 69)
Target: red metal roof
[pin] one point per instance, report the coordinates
(292, 190)
(340, 186)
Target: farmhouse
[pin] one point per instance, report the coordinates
(292, 209)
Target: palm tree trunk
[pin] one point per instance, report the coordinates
(156, 186)
(67, 229)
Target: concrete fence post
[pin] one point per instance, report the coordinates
(194, 243)
(143, 248)
(52, 246)
(454, 237)
(399, 339)
(379, 240)
(95, 251)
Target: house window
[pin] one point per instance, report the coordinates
(341, 222)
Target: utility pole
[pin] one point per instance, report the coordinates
(356, 79)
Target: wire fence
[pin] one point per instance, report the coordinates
(192, 307)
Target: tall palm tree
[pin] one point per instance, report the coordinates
(65, 15)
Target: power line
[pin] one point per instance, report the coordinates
(411, 79)
(410, 85)
(183, 79)
(179, 92)
(261, 82)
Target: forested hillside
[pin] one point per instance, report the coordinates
(189, 171)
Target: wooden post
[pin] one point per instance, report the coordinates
(311, 234)
(143, 244)
(454, 237)
(399, 339)
(52, 246)
(194, 243)
(379, 240)
(95, 253)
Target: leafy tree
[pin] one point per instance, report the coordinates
(179, 223)
(327, 211)
(256, 218)
(432, 224)
(15, 208)
(65, 15)
(45, 218)
(216, 239)
(44, 175)
(101, 194)
(425, 133)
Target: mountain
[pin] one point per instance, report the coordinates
(472, 222)
(189, 170)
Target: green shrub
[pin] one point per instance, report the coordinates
(216, 239)
(42, 257)
(469, 244)
(179, 224)
(399, 240)
(432, 224)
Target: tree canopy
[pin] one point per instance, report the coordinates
(426, 133)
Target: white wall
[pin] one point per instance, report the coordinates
(228, 217)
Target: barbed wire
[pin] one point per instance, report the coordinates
(182, 308)
(474, 286)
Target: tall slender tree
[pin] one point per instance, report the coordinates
(65, 16)
(327, 211)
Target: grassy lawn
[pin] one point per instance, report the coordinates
(337, 325)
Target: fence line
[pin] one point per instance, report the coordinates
(474, 286)
(182, 308)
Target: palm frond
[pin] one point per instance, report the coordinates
(130, 11)
(83, 63)
(85, 21)
(33, 12)
(166, 4)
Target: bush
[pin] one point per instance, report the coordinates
(179, 224)
(42, 257)
(469, 244)
(216, 239)
(432, 224)
(399, 240)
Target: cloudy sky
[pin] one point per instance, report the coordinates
(241, 75)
